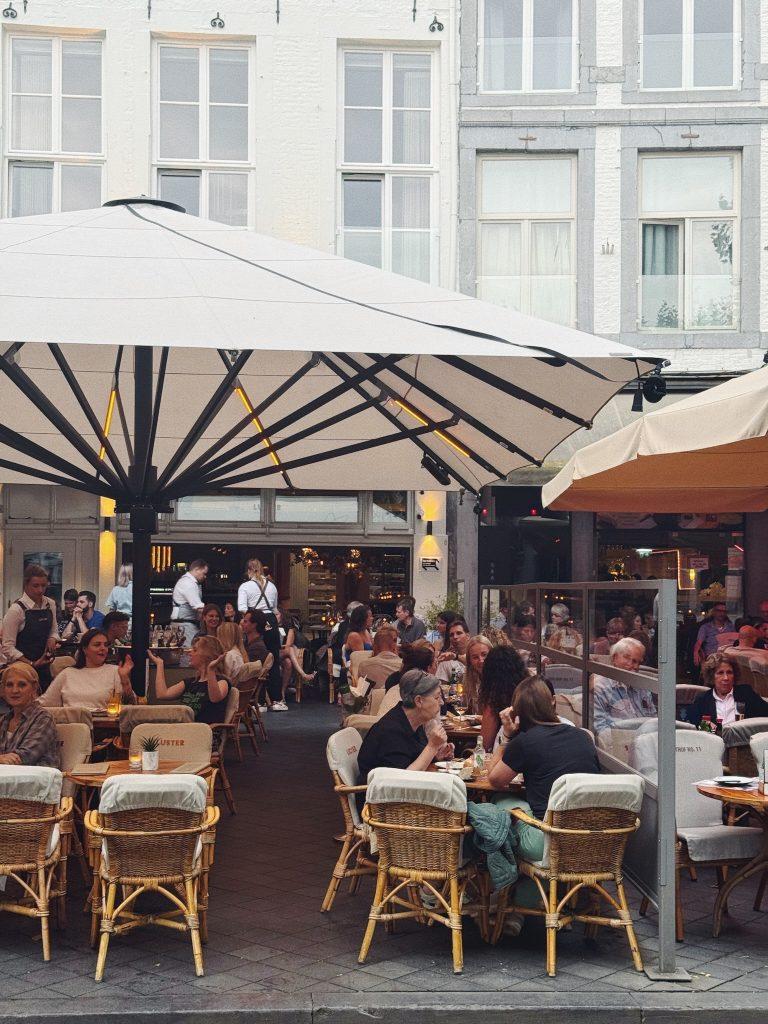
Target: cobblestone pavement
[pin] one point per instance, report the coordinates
(267, 936)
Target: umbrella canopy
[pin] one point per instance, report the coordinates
(707, 453)
(277, 365)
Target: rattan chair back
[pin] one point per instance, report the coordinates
(601, 851)
(151, 846)
(183, 741)
(416, 837)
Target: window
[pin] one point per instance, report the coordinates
(387, 214)
(203, 151)
(688, 241)
(55, 124)
(527, 235)
(690, 44)
(527, 45)
(389, 508)
(219, 508)
(316, 508)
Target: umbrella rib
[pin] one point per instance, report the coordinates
(89, 486)
(88, 412)
(404, 430)
(155, 418)
(32, 392)
(30, 448)
(548, 353)
(124, 424)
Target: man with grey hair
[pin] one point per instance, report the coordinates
(399, 738)
(615, 702)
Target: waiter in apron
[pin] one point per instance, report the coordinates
(260, 593)
(30, 629)
(188, 599)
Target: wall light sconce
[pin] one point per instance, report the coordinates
(428, 564)
(607, 248)
(429, 527)
(106, 524)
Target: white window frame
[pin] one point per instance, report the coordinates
(56, 183)
(204, 164)
(387, 170)
(687, 55)
(527, 67)
(686, 221)
(525, 219)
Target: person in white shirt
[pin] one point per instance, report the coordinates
(30, 630)
(260, 594)
(121, 596)
(90, 682)
(188, 601)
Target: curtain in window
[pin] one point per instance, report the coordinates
(503, 46)
(660, 269)
(552, 49)
(551, 278)
(228, 198)
(501, 264)
(31, 189)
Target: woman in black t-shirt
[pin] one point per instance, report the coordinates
(206, 691)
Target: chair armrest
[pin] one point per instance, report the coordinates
(553, 830)
(350, 789)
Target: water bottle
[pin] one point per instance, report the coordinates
(478, 755)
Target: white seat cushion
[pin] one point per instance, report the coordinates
(722, 842)
(341, 751)
(28, 782)
(396, 786)
(738, 734)
(133, 792)
(581, 790)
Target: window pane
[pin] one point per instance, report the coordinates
(362, 136)
(551, 275)
(229, 133)
(500, 264)
(81, 68)
(316, 508)
(410, 202)
(503, 46)
(662, 44)
(410, 137)
(179, 131)
(410, 254)
(362, 203)
(713, 43)
(228, 198)
(390, 507)
(411, 80)
(31, 65)
(232, 508)
(712, 274)
(80, 187)
(675, 185)
(80, 125)
(179, 75)
(552, 49)
(363, 247)
(183, 189)
(31, 189)
(526, 186)
(32, 123)
(228, 76)
(363, 74)
(661, 281)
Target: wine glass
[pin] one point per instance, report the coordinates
(461, 707)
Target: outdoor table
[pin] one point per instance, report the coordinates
(461, 732)
(481, 788)
(757, 803)
(96, 780)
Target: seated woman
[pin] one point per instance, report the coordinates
(503, 670)
(207, 690)
(90, 682)
(358, 636)
(230, 636)
(439, 635)
(398, 739)
(291, 655)
(27, 731)
(210, 620)
(478, 649)
(420, 654)
(722, 675)
(615, 629)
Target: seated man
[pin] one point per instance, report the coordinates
(84, 617)
(615, 702)
(615, 629)
(749, 636)
(384, 660)
(115, 625)
(399, 738)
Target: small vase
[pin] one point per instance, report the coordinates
(150, 760)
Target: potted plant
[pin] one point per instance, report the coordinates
(150, 754)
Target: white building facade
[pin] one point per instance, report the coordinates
(329, 124)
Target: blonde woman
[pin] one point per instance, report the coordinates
(207, 690)
(230, 636)
(477, 651)
(121, 596)
(260, 594)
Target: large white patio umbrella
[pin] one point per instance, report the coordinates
(705, 453)
(277, 366)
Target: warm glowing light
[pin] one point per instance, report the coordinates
(445, 438)
(257, 423)
(108, 419)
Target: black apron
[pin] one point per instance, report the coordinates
(33, 638)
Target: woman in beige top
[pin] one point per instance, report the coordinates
(89, 683)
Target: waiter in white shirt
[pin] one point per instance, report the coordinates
(30, 629)
(260, 593)
(188, 599)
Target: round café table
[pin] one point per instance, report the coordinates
(757, 803)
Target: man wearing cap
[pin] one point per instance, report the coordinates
(399, 738)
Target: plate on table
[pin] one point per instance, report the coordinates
(735, 781)
(449, 766)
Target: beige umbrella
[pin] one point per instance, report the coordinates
(708, 452)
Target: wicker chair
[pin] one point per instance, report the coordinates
(70, 715)
(148, 837)
(419, 821)
(355, 857)
(254, 718)
(588, 822)
(222, 732)
(737, 738)
(182, 741)
(137, 714)
(75, 744)
(34, 843)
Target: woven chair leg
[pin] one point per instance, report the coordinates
(376, 908)
(455, 919)
(552, 929)
(61, 900)
(194, 927)
(228, 794)
(106, 929)
(644, 904)
(692, 873)
(501, 912)
(338, 873)
(236, 740)
(80, 854)
(629, 927)
(260, 722)
(760, 890)
(484, 895)
(251, 733)
(42, 906)
(679, 928)
(331, 692)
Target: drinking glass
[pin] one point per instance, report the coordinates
(113, 704)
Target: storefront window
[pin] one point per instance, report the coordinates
(317, 508)
(219, 508)
(390, 508)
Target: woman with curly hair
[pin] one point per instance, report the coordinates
(503, 669)
(720, 702)
(478, 649)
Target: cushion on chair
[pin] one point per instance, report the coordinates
(133, 792)
(722, 842)
(67, 716)
(341, 751)
(686, 693)
(398, 786)
(564, 677)
(75, 745)
(28, 782)
(134, 714)
(179, 741)
(580, 789)
(738, 734)
(698, 755)
(758, 745)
